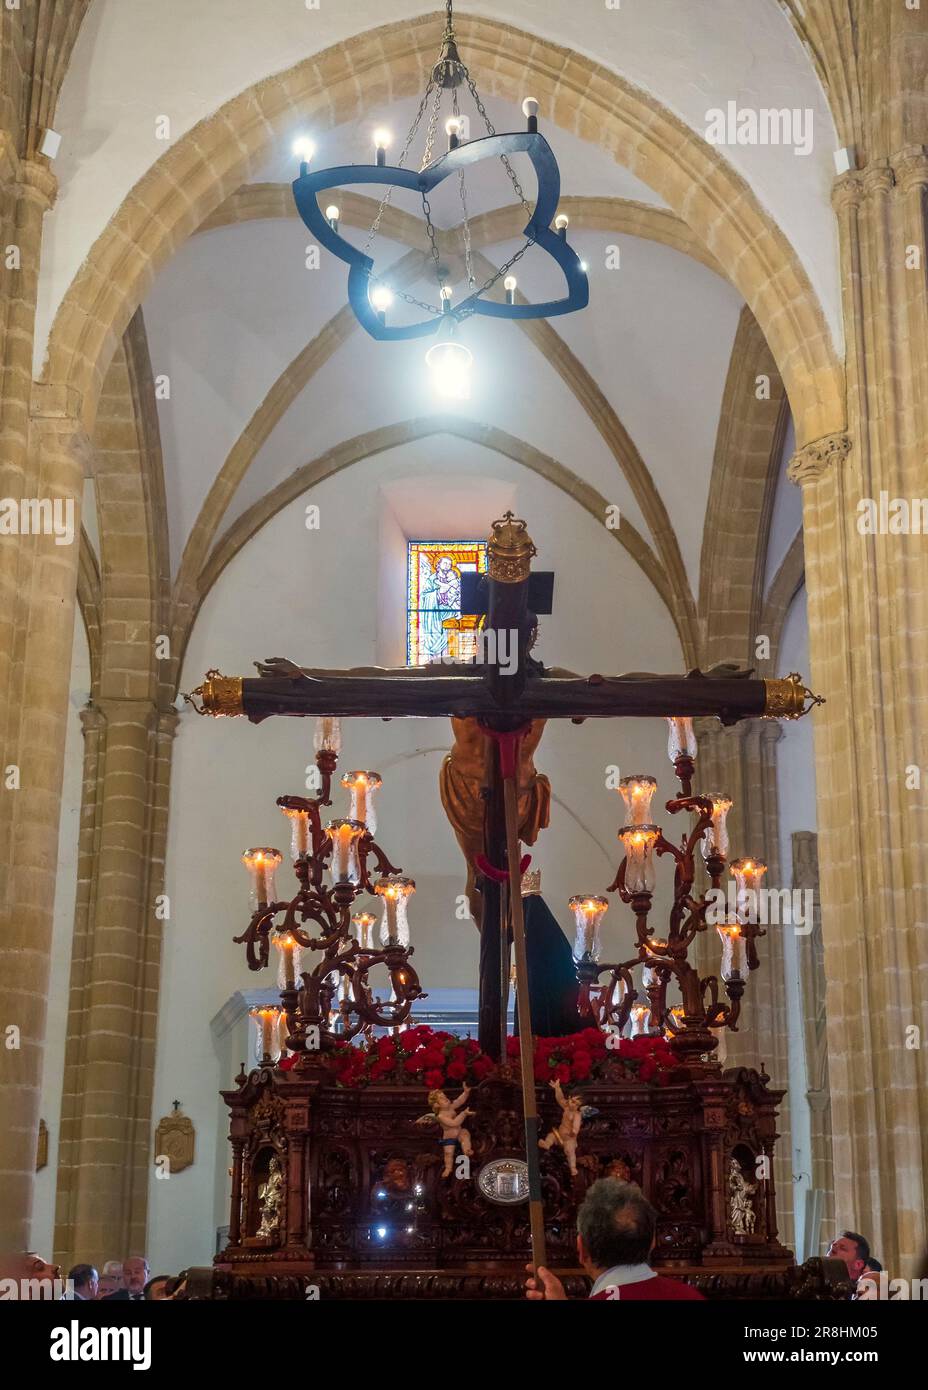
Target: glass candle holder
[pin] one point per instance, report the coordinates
(299, 832)
(344, 864)
(267, 1031)
(638, 842)
(588, 913)
(637, 792)
(362, 786)
(364, 923)
(288, 966)
(733, 951)
(682, 740)
(748, 875)
(715, 836)
(676, 1015)
(640, 1019)
(327, 737)
(262, 865)
(394, 926)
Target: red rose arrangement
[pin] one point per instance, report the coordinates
(587, 1056)
(416, 1056)
(420, 1057)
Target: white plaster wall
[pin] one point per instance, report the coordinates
(316, 597)
(796, 792)
(43, 1212)
(786, 520)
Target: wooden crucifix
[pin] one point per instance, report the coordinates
(498, 704)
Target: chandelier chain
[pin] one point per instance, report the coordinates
(401, 162)
(465, 220)
(491, 130)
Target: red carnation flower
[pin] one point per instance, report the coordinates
(456, 1071)
(482, 1066)
(433, 1079)
(413, 1064)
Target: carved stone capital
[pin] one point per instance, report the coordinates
(848, 191)
(809, 463)
(911, 166)
(38, 182)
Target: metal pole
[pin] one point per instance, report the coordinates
(526, 1057)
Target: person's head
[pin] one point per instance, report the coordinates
(156, 1289)
(111, 1278)
(616, 1225)
(85, 1280)
(175, 1290)
(438, 1100)
(135, 1271)
(853, 1250)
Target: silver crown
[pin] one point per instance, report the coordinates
(531, 882)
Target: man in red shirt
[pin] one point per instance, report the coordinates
(616, 1230)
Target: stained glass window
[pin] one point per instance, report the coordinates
(434, 624)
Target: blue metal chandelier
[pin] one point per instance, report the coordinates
(369, 296)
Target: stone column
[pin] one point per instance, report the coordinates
(741, 761)
(868, 619)
(27, 192)
(34, 750)
(812, 983)
(105, 1150)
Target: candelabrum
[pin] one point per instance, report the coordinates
(334, 863)
(691, 1024)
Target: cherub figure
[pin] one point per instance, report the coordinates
(566, 1132)
(450, 1116)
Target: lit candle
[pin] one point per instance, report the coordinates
(332, 215)
(267, 1020)
(638, 842)
(561, 223)
(637, 793)
(509, 285)
(682, 740)
(345, 835)
(362, 786)
(715, 839)
(588, 914)
(394, 927)
(530, 112)
(365, 922)
(640, 1020)
(748, 875)
(289, 965)
(328, 735)
(262, 865)
(299, 831)
(381, 141)
(733, 951)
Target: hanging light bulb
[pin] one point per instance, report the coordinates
(509, 285)
(331, 214)
(561, 223)
(381, 298)
(530, 112)
(449, 364)
(453, 127)
(304, 148)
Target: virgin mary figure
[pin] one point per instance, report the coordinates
(440, 599)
